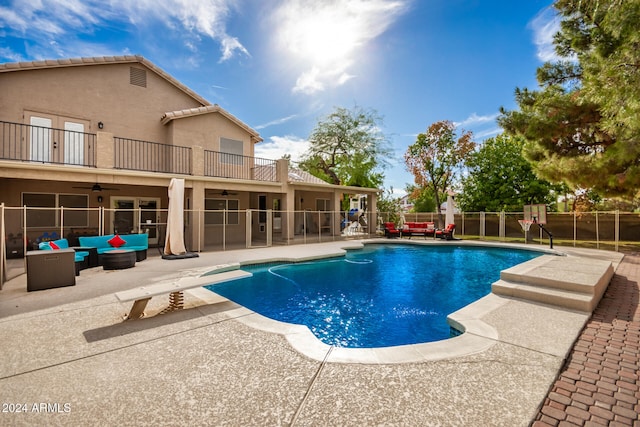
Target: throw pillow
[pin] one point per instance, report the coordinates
(116, 241)
(53, 245)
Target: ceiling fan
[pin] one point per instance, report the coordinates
(226, 193)
(96, 188)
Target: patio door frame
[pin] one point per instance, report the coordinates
(139, 219)
(44, 145)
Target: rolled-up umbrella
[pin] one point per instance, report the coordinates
(174, 240)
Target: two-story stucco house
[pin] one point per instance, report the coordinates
(102, 138)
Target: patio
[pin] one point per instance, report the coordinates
(68, 349)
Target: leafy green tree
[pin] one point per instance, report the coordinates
(348, 147)
(500, 178)
(582, 126)
(389, 205)
(422, 197)
(436, 156)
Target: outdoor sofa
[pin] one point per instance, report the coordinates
(419, 229)
(135, 242)
(80, 256)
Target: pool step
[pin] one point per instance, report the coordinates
(569, 282)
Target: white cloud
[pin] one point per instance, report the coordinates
(475, 119)
(488, 133)
(323, 38)
(545, 25)
(276, 122)
(309, 82)
(345, 78)
(66, 22)
(229, 46)
(281, 145)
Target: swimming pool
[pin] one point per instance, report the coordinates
(380, 296)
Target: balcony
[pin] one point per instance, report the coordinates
(27, 143)
(44, 145)
(132, 154)
(235, 166)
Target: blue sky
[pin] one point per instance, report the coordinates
(281, 65)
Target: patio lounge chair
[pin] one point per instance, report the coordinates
(447, 233)
(390, 230)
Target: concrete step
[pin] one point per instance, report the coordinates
(571, 282)
(558, 297)
(566, 273)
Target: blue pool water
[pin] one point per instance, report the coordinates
(381, 296)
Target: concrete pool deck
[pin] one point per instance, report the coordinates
(216, 363)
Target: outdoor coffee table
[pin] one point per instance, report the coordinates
(118, 259)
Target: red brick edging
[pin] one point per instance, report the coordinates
(599, 384)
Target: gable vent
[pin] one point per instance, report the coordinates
(138, 77)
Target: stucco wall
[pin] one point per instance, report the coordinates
(94, 93)
(206, 130)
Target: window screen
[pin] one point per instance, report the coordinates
(38, 217)
(232, 151)
(49, 217)
(217, 218)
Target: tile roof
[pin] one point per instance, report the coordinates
(298, 175)
(207, 109)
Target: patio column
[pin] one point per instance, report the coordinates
(197, 160)
(288, 202)
(105, 150)
(336, 204)
(372, 209)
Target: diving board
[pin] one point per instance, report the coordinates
(143, 294)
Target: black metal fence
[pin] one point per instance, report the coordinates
(133, 154)
(236, 166)
(46, 145)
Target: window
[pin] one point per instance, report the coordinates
(217, 218)
(46, 204)
(323, 204)
(231, 151)
(77, 217)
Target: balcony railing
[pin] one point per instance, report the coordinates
(236, 166)
(58, 146)
(149, 156)
(46, 145)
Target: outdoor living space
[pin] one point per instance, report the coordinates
(70, 357)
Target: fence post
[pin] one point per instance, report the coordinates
(61, 222)
(575, 228)
(3, 248)
(200, 219)
(482, 225)
(24, 234)
(247, 234)
(597, 232)
(224, 227)
(616, 230)
(501, 232)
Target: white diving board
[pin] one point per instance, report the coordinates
(143, 294)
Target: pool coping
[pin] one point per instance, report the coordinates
(538, 321)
